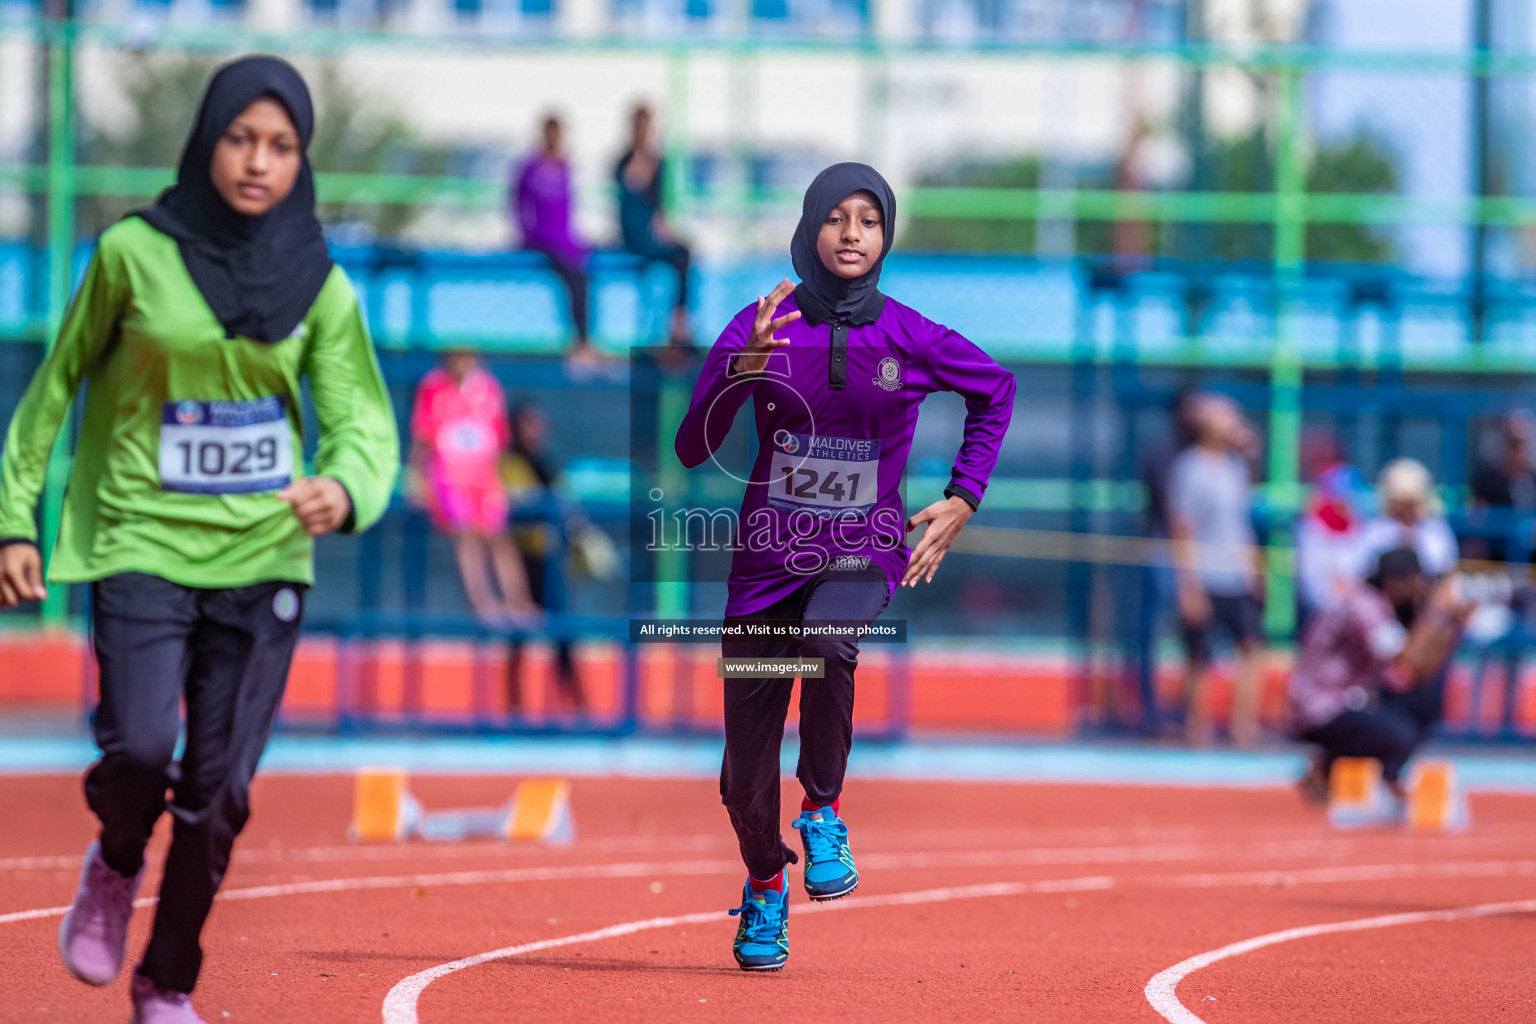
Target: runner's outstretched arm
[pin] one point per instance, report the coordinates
(988, 389)
(89, 328)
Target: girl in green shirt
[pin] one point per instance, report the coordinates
(188, 509)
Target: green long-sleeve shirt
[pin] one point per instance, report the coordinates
(187, 435)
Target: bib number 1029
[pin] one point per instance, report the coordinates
(237, 458)
(237, 447)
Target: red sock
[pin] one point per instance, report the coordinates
(807, 804)
(776, 883)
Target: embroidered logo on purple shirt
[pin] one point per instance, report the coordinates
(890, 374)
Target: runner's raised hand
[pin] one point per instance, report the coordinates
(945, 519)
(321, 503)
(762, 343)
(21, 574)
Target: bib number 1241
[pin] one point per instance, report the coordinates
(812, 484)
(824, 475)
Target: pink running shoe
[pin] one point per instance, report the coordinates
(95, 931)
(152, 1006)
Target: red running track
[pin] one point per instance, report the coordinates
(1058, 903)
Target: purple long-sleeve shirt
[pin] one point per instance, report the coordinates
(826, 481)
(541, 205)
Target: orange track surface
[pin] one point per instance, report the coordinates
(1149, 877)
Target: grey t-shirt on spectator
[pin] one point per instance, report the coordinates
(1211, 494)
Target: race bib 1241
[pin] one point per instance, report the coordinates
(824, 475)
(225, 447)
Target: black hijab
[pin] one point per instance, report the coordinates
(821, 294)
(259, 275)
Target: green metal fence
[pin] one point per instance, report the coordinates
(46, 177)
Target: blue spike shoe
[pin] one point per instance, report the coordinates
(762, 937)
(829, 870)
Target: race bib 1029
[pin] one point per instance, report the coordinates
(225, 447)
(824, 475)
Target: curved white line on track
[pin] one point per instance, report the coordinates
(1160, 991)
(408, 994)
(400, 1003)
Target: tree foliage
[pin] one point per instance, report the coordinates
(1362, 163)
(979, 234)
(350, 136)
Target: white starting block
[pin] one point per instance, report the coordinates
(1436, 801)
(1357, 796)
(385, 811)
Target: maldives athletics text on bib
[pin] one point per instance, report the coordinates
(228, 447)
(825, 476)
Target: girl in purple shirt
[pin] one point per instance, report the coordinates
(821, 545)
(542, 206)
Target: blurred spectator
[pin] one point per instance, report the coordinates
(1503, 501)
(1411, 516)
(1155, 588)
(1132, 238)
(1220, 569)
(1157, 468)
(527, 472)
(1328, 539)
(641, 174)
(459, 431)
(542, 205)
(1365, 663)
(1507, 483)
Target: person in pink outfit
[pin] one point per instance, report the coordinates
(1328, 538)
(460, 432)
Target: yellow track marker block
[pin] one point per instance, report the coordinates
(1436, 802)
(380, 805)
(541, 810)
(1357, 798)
(1354, 780)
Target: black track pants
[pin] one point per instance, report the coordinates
(755, 710)
(1390, 734)
(226, 652)
(577, 286)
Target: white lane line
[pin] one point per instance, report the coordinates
(1109, 837)
(1160, 990)
(897, 861)
(1322, 846)
(651, 869)
(45, 912)
(39, 863)
(1148, 854)
(400, 1003)
(1349, 873)
(975, 858)
(416, 851)
(575, 872)
(633, 869)
(637, 869)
